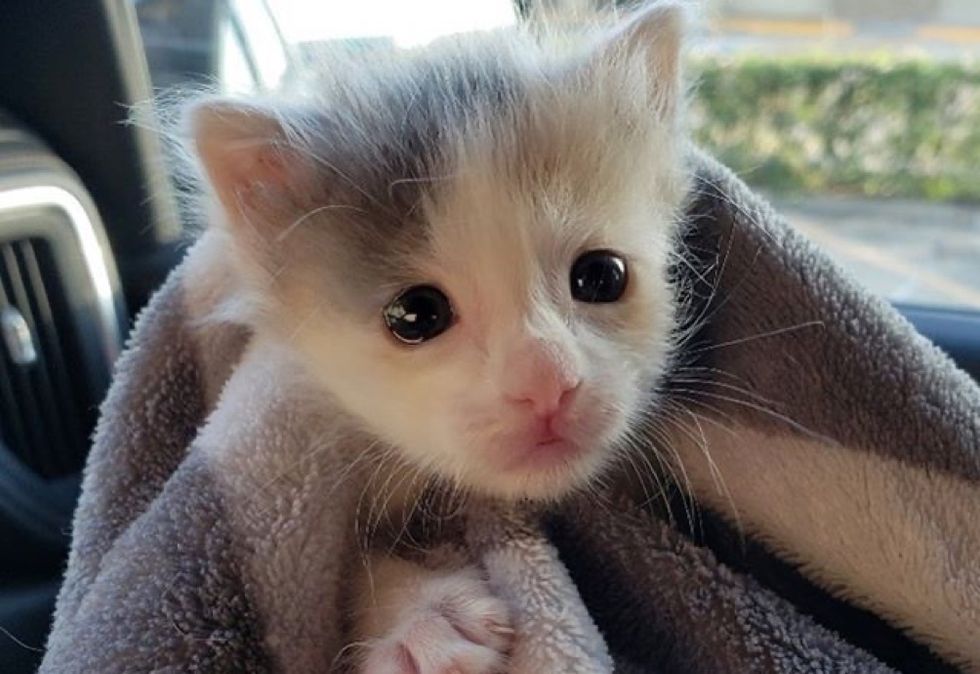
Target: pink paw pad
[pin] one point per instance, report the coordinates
(458, 627)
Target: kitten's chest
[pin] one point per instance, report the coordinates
(392, 494)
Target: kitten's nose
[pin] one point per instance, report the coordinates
(547, 398)
(541, 381)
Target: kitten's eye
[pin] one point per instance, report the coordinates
(418, 314)
(598, 276)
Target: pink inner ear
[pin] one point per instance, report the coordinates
(270, 166)
(258, 171)
(241, 152)
(240, 174)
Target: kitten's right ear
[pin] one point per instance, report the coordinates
(655, 33)
(245, 152)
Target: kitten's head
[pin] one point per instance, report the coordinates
(468, 245)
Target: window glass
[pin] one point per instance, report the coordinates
(859, 119)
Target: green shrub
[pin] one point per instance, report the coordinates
(863, 125)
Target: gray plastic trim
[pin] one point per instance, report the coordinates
(83, 227)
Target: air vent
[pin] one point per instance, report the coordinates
(44, 414)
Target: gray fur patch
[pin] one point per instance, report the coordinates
(381, 143)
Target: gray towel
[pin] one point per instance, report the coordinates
(802, 411)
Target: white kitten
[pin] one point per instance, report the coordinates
(468, 247)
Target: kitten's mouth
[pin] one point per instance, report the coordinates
(546, 460)
(545, 453)
(548, 436)
(544, 445)
(554, 450)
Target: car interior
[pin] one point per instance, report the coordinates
(89, 226)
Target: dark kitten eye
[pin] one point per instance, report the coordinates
(418, 314)
(598, 276)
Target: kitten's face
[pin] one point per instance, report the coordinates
(528, 389)
(503, 324)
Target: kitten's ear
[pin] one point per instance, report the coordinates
(245, 152)
(654, 33)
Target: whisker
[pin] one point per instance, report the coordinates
(766, 411)
(709, 383)
(281, 236)
(761, 335)
(686, 489)
(677, 401)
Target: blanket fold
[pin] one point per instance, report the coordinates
(215, 533)
(693, 614)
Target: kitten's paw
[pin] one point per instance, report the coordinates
(456, 627)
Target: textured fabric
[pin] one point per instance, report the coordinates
(215, 532)
(693, 614)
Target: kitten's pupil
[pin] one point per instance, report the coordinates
(598, 276)
(418, 314)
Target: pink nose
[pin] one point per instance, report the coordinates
(542, 383)
(547, 399)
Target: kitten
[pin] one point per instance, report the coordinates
(467, 246)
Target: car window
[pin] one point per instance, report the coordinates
(859, 119)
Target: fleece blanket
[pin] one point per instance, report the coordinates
(816, 506)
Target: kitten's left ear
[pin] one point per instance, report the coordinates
(245, 151)
(654, 33)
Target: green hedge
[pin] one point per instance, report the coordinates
(863, 125)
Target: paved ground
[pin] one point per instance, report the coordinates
(908, 251)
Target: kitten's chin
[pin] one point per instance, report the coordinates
(543, 472)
